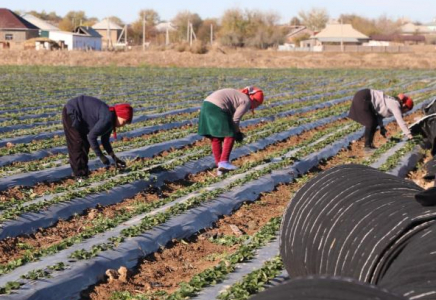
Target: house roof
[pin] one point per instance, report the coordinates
(10, 20)
(412, 28)
(430, 24)
(297, 30)
(86, 30)
(41, 24)
(105, 24)
(340, 31)
(162, 27)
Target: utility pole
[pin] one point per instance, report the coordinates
(342, 39)
(127, 43)
(187, 31)
(143, 31)
(192, 36)
(108, 33)
(211, 34)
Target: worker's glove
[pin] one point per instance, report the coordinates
(104, 160)
(383, 132)
(239, 136)
(118, 162)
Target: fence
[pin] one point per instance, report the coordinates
(350, 48)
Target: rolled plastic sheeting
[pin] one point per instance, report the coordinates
(427, 128)
(413, 271)
(341, 222)
(427, 198)
(326, 288)
(430, 169)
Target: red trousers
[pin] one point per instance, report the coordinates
(221, 148)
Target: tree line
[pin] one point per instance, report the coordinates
(235, 28)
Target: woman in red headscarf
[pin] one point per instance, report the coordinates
(219, 120)
(85, 119)
(369, 107)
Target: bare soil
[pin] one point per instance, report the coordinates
(419, 58)
(12, 248)
(180, 261)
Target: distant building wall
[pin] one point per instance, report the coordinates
(76, 41)
(17, 35)
(16, 38)
(113, 36)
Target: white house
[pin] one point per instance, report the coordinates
(41, 24)
(336, 33)
(83, 38)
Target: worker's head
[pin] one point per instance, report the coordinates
(123, 113)
(255, 94)
(406, 102)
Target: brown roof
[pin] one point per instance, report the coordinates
(10, 20)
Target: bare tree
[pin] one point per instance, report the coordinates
(387, 26)
(251, 28)
(136, 29)
(181, 22)
(295, 21)
(233, 28)
(73, 19)
(314, 19)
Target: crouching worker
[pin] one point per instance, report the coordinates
(369, 107)
(85, 119)
(219, 120)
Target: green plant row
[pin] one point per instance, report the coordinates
(271, 127)
(150, 221)
(215, 274)
(102, 224)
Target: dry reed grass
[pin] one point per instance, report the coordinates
(420, 58)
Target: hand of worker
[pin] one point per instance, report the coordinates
(384, 132)
(104, 160)
(239, 136)
(409, 136)
(118, 162)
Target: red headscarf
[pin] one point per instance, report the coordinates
(255, 94)
(406, 101)
(124, 111)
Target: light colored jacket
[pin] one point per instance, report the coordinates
(232, 101)
(386, 106)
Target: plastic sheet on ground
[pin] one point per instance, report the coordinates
(28, 222)
(323, 287)
(70, 282)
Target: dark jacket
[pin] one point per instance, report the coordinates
(92, 117)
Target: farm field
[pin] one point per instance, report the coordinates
(167, 227)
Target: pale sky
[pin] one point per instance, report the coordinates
(423, 11)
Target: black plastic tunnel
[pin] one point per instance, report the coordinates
(412, 271)
(342, 222)
(326, 288)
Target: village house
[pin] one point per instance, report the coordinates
(83, 38)
(336, 36)
(109, 31)
(15, 30)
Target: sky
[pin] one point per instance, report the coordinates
(423, 11)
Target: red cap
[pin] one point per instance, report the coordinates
(255, 93)
(124, 111)
(406, 101)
